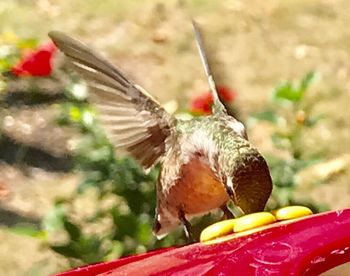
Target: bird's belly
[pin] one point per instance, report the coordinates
(197, 190)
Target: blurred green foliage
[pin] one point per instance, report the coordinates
(291, 116)
(11, 49)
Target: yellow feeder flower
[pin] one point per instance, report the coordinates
(254, 220)
(218, 229)
(291, 212)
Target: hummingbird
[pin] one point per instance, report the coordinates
(206, 162)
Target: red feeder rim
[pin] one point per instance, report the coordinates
(307, 246)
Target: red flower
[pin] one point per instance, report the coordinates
(226, 94)
(36, 63)
(202, 103)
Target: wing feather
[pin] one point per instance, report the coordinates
(133, 120)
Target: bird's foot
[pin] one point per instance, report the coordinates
(187, 226)
(227, 214)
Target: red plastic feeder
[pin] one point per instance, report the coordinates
(307, 246)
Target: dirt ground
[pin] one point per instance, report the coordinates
(254, 45)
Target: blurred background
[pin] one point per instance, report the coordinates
(67, 199)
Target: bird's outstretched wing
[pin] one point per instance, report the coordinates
(134, 121)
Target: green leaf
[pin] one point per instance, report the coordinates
(286, 92)
(282, 172)
(73, 230)
(116, 251)
(91, 180)
(282, 196)
(308, 80)
(29, 230)
(280, 141)
(54, 220)
(26, 43)
(90, 249)
(291, 92)
(66, 250)
(268, 116)
(144, 234)
(126, 225)
(4, 65)
(302, 164)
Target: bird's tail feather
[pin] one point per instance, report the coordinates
(217, 106)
